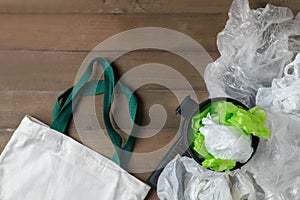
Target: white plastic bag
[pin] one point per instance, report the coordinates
(284, 94)
(243, 186)
(254, 48)
(226, 142)
(276, 164)
(184, 179)
(40, 163)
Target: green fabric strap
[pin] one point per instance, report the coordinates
(62, 112)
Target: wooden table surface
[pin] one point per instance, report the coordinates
(43, 43)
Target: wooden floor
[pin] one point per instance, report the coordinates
(43, 43)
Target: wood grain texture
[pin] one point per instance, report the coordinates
(16, 104)
(132, 6)
(31, 83)
(56, 71)
(82, 32)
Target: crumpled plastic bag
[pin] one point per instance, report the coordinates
(184, 179)
(276, 164)
(254, 48)
(243, 186)
(284, 94)
(226, 142)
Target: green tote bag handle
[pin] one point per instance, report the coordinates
(62, 112)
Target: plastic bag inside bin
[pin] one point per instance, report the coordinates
(254, 48)
(226, 142)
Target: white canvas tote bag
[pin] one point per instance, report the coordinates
(41, 163)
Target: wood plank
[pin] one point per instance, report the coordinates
(137, 6)
(30, 84)
(14, 105)
(112, 6)
(56, 71)
(82, 32)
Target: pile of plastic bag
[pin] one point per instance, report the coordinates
(255, 68)
(254, 48)
(277, 164)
